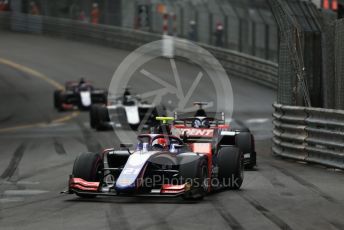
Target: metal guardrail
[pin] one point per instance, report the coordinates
(313, 135)
(236, 63)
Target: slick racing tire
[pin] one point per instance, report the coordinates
(104, 98)
(103, 117)
(58, 100)
(194, 172)
(231, 167)
(88, 166)
(94, 116)
(252, 161)
(134, 127)
(244, 142)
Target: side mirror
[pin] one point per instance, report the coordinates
(126, 145)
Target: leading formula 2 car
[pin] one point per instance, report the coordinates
(80, 95)
(161, 165)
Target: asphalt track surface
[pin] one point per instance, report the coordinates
(38, 146)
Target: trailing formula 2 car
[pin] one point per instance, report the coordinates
(206, 127)
(127, 111)
(161, 165)
(80, 95)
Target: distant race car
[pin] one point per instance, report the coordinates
(80, 95)
(126, 111)
(162, 164)
(208, 128)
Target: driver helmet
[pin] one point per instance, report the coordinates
(82, 81)
(197, 123)
(162, 142)
(201, 122)
(126, 92)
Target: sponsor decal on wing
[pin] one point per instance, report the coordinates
(194, 132)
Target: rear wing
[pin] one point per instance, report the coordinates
(187, 118)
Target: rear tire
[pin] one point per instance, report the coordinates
(58, 100)
(244, 142)
(134, 127)
(88, 166)
(105, 96)
(195, 172)
(231, 167)
(94, 116)
(103, 117)
(253, 161)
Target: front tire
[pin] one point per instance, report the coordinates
(88, 166)
(195, 172)
(231, 167)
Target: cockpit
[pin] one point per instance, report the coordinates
(159, 143)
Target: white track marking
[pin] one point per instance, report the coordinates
(21, 182)
(257, 120)
(11, 199)
(24, 182)
(25, 192)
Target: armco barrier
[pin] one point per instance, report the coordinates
(237, 64)
(313, 135)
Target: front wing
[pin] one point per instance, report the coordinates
(81, 187)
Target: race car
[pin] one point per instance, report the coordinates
(206, 126)
(161, 165)
(80, 95)
(127, 111)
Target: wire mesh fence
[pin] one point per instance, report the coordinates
(301, 51)
(339, 67)
(287, 82)
(247, 26)
(310, 55)
(328, 57)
